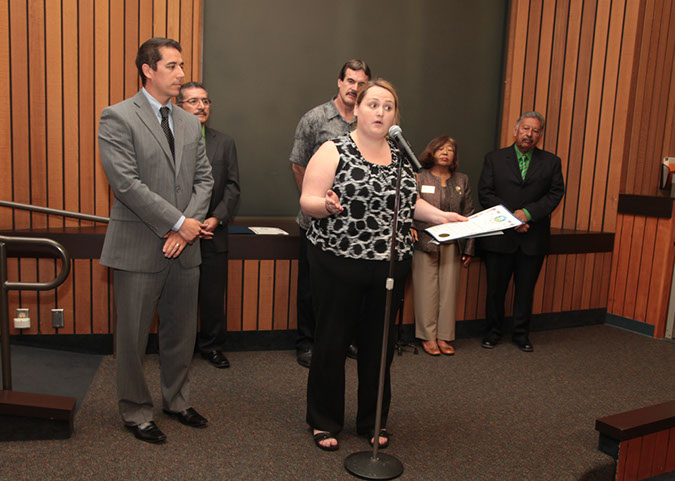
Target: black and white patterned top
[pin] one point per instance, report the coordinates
(367, 193)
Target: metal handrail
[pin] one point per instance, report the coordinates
(49, 210)
(5, 286)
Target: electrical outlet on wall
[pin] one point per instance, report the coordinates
(22, 319)
(57, 318)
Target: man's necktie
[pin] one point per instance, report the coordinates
(164, 111)
(522, 163)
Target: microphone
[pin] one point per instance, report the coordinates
(396, 133)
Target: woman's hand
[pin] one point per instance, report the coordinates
(413, 233)
(453, 217)
(333, 203)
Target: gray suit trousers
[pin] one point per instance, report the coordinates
(173, 293)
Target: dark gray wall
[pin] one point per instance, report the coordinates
(266, 62)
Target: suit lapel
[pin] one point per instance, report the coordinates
(210, 146)
(179, 138)
(534, 165)
(512, 161)
(148, 117)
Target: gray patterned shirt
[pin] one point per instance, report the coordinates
(317, 126)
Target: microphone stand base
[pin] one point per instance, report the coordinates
(364, 466)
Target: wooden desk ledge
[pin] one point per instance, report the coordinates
(639, 422)
(641, 441)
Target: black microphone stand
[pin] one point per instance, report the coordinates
(376, 465)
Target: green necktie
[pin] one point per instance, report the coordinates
(522, 163)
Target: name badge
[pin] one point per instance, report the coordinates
(428, 189)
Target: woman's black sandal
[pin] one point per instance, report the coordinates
(322, 436)
(383, 434)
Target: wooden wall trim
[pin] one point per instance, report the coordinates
(645, 205)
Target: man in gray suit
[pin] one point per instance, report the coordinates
(222, 154)
(154, 158)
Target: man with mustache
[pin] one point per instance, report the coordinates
(222, 154)
(322, 123)
(529, 182)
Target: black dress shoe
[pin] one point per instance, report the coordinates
(353, 351)
(304, 357)
(216, 358)
(148, 432)
(189, 417)
(488, 343)
(525, 346)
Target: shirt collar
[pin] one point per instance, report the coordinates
(519, 154)
(154, 103)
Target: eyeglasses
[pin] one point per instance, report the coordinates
(195, 101)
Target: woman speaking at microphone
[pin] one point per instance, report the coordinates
(349, 192)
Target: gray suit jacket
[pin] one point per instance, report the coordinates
(151, 192)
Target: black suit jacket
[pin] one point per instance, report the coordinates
(540, 193)
(222, 154)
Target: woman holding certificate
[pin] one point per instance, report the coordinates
(348, 191)
(436, 267)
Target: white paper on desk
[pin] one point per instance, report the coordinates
(268, 231)
(487, 222)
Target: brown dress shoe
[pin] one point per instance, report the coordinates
(431, 348)
(445, 348)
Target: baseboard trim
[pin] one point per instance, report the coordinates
(285, 339)
(630, 324)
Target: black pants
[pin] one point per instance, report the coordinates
(306, 320)
(525, 271)
(349, 301)
(212, 285)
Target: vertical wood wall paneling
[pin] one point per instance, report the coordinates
(460, 306)
(101, 294)
(173, 19)
(36, 100)
(197, 40)
(249, 316)
(645, 271)
(54, 111)
(186, 37)
(235, 273)
(144, 21)
(293, 305)
(266, 295)
(102, 60)
(663, 64)
(87, 156)
(71, 104)
(589, 142)
(131, 43)
(20, 113)
(544, 63)
(83, 296)
(579, 110)
(117, 64)
(634, 256)
(556, 79)
(6, 181)
(627, 91)
(159, 19)
(515, 66)
(282, 294)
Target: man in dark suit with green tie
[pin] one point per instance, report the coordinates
(529, 182)
(222, 154)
